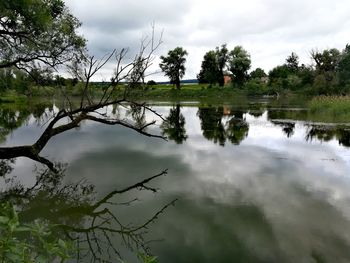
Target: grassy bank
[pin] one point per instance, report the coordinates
(334, 107)
(199, 93)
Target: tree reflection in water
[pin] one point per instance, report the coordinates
(287, 127)
(174, 125)
(13, 116)
(326, 133)
(78, 215)
(235, 130)
(73, 209)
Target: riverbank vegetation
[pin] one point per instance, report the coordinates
(337, 107)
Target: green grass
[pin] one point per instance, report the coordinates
(11, 96)
(333, 107)
(199, 93)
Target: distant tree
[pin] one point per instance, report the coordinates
(307, 75)
(344, 67)
(6, 78)
(239, 63)
(214, 65)
(173, 65)
(326, 77)
(278, 77)
(210, 69)
(326, 61)
(258, 73)
(281, 71)
(37, 31)
(42, 76)
(292, 63)
(222, 58)
(151, 83)
(137, 75)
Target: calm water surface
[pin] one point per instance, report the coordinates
(253, 185)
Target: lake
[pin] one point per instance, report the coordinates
(247, 183)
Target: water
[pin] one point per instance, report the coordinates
(251, 184)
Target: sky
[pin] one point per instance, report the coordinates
(268, 29)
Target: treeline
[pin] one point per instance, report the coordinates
(21, 81)
(329, 72)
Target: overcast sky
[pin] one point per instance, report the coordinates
(268, 29)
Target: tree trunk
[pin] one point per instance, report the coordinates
(177, 83)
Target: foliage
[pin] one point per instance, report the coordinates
(13, 79)
(210, 72)
(222, 58)
(255, 86)
(137, 75)
(292, 63)
(326, 61)
(239, 63)
(213, 66)
(257, 73)
(144, 258)
(344, 68)
(34, 242)
(37, 31)
(173, 65)
(306, 74)
(278, 77)
(151, 83)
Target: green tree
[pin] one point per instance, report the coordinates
(307, 75)
(173, 65)
(239, 63)
(222, 57)
(210, 69)
(137, 75)
(326, 61)
(37, 31)
(344, 68)
(292, 63)
(326, 78)
(278, 77)
(258, 73)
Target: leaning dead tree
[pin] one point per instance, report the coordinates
(73, 208)
(126, 75)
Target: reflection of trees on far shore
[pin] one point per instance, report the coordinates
(234, 130)
(173, 127)
(327, 133)
(211, 124)
(287, 127)
(14, 116)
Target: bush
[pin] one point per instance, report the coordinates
(34, 242)
(151, 83)
(333, 106)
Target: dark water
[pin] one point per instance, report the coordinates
(252, 185)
